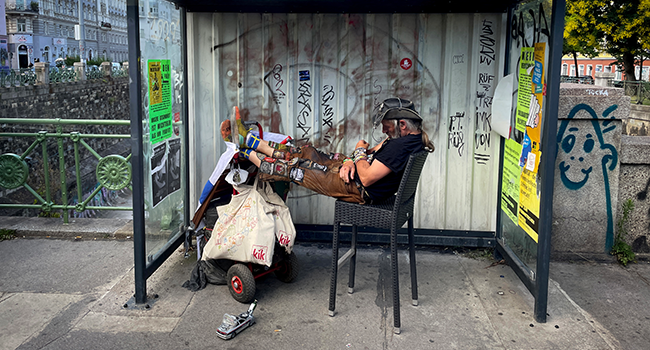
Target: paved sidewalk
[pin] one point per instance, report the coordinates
(68, 294)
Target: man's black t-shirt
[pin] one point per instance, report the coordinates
(394, 154)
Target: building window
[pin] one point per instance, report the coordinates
(589, 70)
(581, 69)
(565, 68)
(46, 54)
(21, 25)
(599, 68)
(573, 70)
(608, 69)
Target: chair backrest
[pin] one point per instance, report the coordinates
(411, 177)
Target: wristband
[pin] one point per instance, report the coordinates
(359, 154)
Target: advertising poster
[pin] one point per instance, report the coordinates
(159, 182)
(510, 184)
(529, 204)
(165, 170)
(160, 100)
(531, 153)
(526, 66)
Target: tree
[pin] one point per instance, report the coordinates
(620, 28)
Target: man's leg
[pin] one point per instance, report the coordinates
(307, 173)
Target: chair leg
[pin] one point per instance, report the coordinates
(393, 263)
(353, 259)
(414, 274)
(335, 264)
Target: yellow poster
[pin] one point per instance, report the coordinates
(531, 151)
(510, 179)
(155, 79)
(529, 204)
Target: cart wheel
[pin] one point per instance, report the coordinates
(288, 270)
(241, 283)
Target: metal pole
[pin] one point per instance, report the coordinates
(82, 33)
(547, 167)
(137, 163)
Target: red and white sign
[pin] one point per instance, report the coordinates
(406, 63)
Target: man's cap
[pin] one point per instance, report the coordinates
(395, 108)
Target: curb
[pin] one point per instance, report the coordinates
(78, 228)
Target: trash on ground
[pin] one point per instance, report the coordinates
(233, 325)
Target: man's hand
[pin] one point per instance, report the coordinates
(362, 144)
(346, 173)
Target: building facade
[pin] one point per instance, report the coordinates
(44, 30)
(591, 66)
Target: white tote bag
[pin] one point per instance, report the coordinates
(248, 226)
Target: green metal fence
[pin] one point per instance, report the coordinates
(113, 172)
(17, 77)
(62, 75)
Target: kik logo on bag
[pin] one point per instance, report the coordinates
(284, 239)
(259, 252)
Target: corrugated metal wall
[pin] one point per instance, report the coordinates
(318, 77)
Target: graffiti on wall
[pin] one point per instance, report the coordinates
(314, 110)
(484, 93)
(456, 137)
(585, 152)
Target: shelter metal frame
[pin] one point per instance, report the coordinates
(536, 283)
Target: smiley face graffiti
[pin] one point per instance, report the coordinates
(581, 147)
(578, 177)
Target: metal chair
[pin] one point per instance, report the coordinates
(390, 214)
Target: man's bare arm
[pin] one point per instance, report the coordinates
(369, 174)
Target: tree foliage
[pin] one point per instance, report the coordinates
(620, 28)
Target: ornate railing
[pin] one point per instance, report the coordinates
(639, 91)
(63, 75)
(17, 77)
(93, 72)
(119, 73)
(113, 172)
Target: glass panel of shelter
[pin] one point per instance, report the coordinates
(530, 33)
(163, 137)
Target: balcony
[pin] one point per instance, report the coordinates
(26, 9)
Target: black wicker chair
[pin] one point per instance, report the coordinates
(391, 214)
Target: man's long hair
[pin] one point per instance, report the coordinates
(415, 125)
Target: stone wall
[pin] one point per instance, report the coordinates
(587, 167)
(105, 98)
(635, 184)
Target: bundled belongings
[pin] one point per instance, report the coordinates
(247, 227)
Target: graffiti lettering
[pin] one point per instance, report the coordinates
(305, 112)
(457, 59)
(483, 129)
(328, 111)
(456, 136)
(518, 32)
(487, 42)
(598, 92)
(485, 80)
(278, 94)
(378, 90)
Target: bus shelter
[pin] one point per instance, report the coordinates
(483, 74)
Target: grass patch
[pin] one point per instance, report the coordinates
(6, 234)
(478, 253)
(621, 250)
